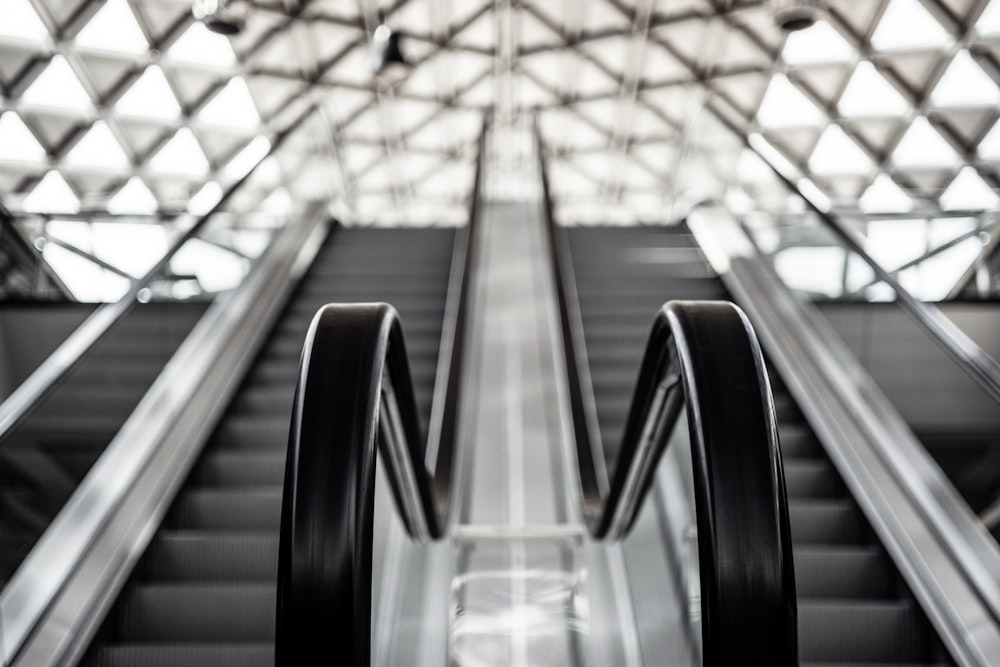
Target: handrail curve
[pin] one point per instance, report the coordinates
(703, 357)
(354, 393)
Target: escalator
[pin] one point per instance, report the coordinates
(43, 462)
(853, 606)
(204, 592)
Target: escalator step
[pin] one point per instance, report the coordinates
(242, 468)
(859, 631)
(188, 655)
(232, 510)
(841, 572)
(811, 478)
(240, 612)
(824, 522)
(189, 556)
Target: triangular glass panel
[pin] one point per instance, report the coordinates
(969, 192)
(22, 22)
(141, 136)
(615, 54)
(534, 33)
(133, 199)
(272, 93)
(858, 15)
(150, 97)
(923, 146)
(193, 85)
(914, 70)
(219, 147)
(989, 147)
(989, 21)
(965, 83)
(906, 24)
(480, 33)
(58, 86)
(878, 135)
(824, 82)
(692, 40)
(52, 128)
(659, 65)
(869, 94)
(17, 143)
(885, 196)
(836, 153)
(200, 46)
(51, 195)
(180, 156)
(820, 44)
(966, 125)
(232, 107)
(744, 90)
(161, 18)
(113, 28)
(738, 51)
(784, 105)
(98, 148)
(105, 71)
(323, 41)
(601, 15)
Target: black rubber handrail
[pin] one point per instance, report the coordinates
(705, 357)
(354, 391)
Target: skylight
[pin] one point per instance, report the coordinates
(923, 147)
(132, 247)
(784, 105)
(52, 195)
(113, 28)
(965, 83)
(231, 107)
(200, 46)
(181, 156)
(906, 24)
(884, 196)
(150, 97)
(58, 87)
(21, 21)
(869, 94)
(98, 148)
(819, 45)
(989, 147)
(969, 192)
(134, 198)
(836, 153)
(17, 143)
(989, 22)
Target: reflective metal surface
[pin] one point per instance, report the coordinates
(945, 555)
(49, 610)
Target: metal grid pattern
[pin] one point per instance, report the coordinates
(132, 107)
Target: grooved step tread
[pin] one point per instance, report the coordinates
(203, 593)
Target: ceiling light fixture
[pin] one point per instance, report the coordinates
(388, 62)
(226, 17)
(792, 15)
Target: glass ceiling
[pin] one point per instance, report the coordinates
(120, 108)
